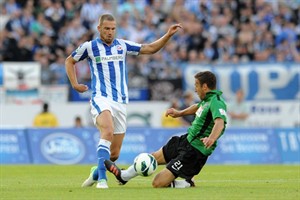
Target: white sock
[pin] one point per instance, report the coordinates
(104, 143)
(180, 184)
(129, 173)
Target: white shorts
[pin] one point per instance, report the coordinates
(118, 111)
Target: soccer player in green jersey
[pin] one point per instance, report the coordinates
(185, 155)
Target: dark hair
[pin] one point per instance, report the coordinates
(45, 107)
(207, 77)
(78, 118)
(107, 17)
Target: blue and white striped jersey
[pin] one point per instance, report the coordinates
(108, 67)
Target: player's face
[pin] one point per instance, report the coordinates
(107, 31)
(200, 89)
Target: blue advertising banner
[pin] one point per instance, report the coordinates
(247, 146)
(66, 146)
(276, 81)
(236, 146)
(14, 147)
(63, 146)
(289, 144)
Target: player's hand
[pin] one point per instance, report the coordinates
(81, 88)
(173, 29)
(208, 142)
(172, 112)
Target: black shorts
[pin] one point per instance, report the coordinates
(182, 159)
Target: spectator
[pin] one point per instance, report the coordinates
(57, 71)
(215, 31)
(55, 14)
(36, 27)
(78, 122)
(23, 50)
(11, 6)
(90, 13)
(46, 118)
(238, 110)
(75, 30)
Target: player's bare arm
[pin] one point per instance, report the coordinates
(172, 112)
(191, 110)
(70, 70)
(158, 44)
(179, 113)
(215, 133)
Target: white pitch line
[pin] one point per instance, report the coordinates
(146, 179)
(251, 181)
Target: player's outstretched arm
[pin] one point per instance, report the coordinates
(161, 42)
(191, 110)
(179, 113)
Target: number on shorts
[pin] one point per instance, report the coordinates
(177, 165)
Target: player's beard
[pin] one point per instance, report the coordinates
(109, 39)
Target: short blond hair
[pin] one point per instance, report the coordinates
(107, 17)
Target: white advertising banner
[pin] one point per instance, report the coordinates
(278, 114)
(21, 81)
(274, 114)
(54, 93)
(22, 85)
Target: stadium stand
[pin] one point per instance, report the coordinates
(223, 31)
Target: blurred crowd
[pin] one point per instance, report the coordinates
(215, 32)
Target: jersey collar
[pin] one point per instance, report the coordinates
(212, 93)
(101, 42)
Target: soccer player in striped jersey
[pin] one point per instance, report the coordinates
(106, 57)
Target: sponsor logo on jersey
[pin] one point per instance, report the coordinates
(112, 58)
(98, 59)
(199, 111)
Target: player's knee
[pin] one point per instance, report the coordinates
(157, 183)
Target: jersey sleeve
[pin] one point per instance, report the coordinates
(132, 47)
(218, 109)
(81, 52)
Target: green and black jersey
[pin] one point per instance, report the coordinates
(211, 107)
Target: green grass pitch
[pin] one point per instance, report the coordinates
(42, 182)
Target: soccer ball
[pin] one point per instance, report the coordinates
(145, 164)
